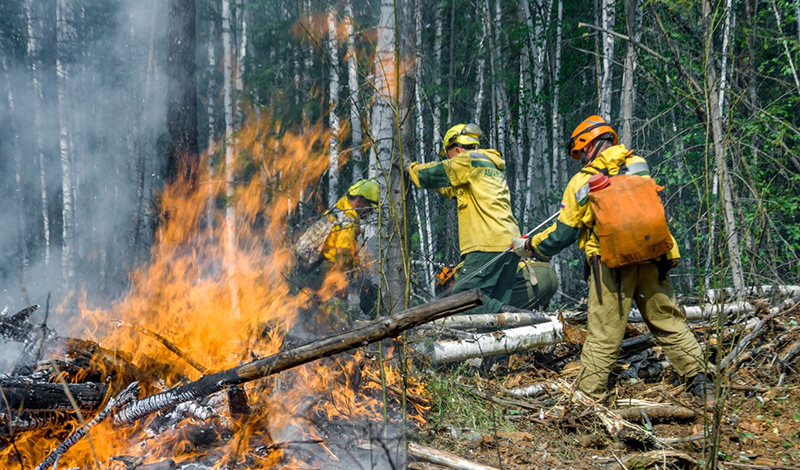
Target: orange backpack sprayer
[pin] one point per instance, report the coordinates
(630, 223)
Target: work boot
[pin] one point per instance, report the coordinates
(701, 386)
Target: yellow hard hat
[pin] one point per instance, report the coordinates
(367, 189)
(462, 134)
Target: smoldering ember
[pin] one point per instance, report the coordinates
(423, 234)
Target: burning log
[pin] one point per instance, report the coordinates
(31, 421)
(493, 320)
(125, 396)
(369, 333)
(498, 342)
(24, 393)
(16, 327)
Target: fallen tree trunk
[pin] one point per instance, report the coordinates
(369, 333)
(493, 320)
(714, 295)
(657, 413)
(23, 393)
(498, 342)
(445, 459)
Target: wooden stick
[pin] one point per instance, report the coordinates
(421, 401)
(445, 459)
(657, 413)
(371, 332)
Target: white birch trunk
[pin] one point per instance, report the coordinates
(501, 110)
(210, 113)
(524, 115)
(437, 77)
(38, 99)
(478, 107)
(718, 139)
(64, 37)
(382, 122)
(230, 213)
(241, 57)
(333, 102)
(723, 79)
(786, 45)
(15, 150)
(426, 231)
(354, 101)
(626, 107)
(556, 128)
(607, 15)
(499, 342)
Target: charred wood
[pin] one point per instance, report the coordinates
(125, 396)
(23, 393)
(369, 333)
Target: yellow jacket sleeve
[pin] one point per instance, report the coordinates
(456, 171)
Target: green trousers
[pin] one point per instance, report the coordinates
(534, 285)
(606, 324)
(495, 280)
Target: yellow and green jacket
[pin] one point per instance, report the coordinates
(477, 180)
(575, 221)
(334, 237)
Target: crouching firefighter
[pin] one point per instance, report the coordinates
(611, 207)
(336, 242)
(535, 284)
(476, 179)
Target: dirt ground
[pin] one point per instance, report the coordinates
(759, 429)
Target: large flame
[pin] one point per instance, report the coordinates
(185, 293)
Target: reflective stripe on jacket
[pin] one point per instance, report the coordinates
(477, 180)
(576, 219)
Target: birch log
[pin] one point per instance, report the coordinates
(494, 320)
(445, 459)
(498, 342)
(714, 295)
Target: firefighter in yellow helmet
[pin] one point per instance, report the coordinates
(614, 282)
(476, 178)
(335, 238)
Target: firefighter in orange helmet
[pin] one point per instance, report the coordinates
(613, 289)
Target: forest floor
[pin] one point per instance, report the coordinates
(759, 429)
(760, 421)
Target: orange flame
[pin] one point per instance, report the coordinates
(184, 294)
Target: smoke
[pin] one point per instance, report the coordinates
(104, 58)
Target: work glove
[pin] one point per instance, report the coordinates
(521, 246)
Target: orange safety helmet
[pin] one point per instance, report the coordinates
(591, 128)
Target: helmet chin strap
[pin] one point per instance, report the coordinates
(586, 161)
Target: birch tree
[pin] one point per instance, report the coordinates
(19, 198)
(626, 108)
(718, 141)
(32, 50)
(333, 102)
(241, 56)
(392, 263)
(423, 220)
(607, 18)
(230, 212)
(355, 91)
(64, 38)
